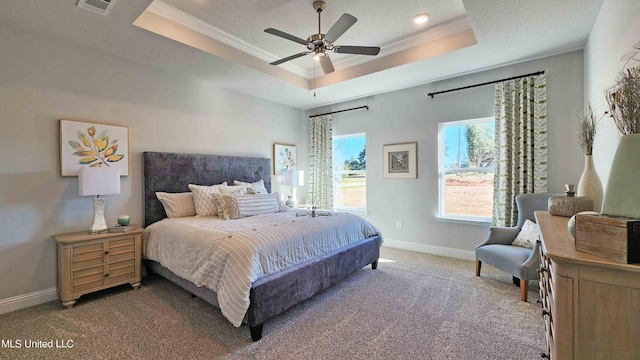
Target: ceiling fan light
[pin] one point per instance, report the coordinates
(317, 56)
(421, 18)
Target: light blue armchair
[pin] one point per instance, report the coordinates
(497, 251)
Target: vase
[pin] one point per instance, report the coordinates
(622, 197)
(590, 184)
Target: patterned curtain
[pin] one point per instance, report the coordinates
(521, 144)
(320, 187)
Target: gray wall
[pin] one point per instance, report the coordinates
(616, 30)
(42, 81)
(406, 116)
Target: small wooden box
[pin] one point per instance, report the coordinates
(614, 238)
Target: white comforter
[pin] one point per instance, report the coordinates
(227, 256)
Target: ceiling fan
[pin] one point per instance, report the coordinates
(321, 43)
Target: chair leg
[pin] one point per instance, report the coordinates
(524, 289)
(478, 266)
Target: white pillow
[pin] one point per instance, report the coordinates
(233, 206)
(528, 236)
(177, 204)
(233, 189)
(202, 198)
(258, 186)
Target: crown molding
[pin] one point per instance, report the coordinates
(160, 8)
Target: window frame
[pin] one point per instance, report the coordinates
(442, 171)
(337, 173)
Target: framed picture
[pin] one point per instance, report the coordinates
(92, 144)
(284, 158)
(400, 161)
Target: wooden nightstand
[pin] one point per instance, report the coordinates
(88, 263)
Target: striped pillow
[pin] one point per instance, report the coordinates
(233, 206)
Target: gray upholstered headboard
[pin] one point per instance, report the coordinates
(173, 172)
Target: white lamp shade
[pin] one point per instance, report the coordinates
(292, 177)
(98, 181)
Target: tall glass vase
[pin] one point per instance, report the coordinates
(622, 197)
(590, 184)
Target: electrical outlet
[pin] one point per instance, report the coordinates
(399, 224)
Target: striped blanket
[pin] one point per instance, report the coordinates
(227, 256)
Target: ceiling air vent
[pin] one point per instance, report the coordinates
(101, 7)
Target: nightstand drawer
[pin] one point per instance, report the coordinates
(88, 259)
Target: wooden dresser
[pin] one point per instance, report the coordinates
(88, 263)
(591, 305)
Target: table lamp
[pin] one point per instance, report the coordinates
(97, 181)
(292, 178)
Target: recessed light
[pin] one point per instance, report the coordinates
(421, 18)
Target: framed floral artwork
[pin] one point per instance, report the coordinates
(400, 161)
(92, 144)
(284, 158)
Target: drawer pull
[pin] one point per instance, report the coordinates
(545, 356)
(545, 313)
(106, 252)
(106, 275)
(543, 269)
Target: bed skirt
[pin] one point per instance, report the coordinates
(275, 293)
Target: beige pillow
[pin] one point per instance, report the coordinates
(528, 235)
(177, 205)
(257, 186)
(234, 206)
(202, 198)
(233, 189)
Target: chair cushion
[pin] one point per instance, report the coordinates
(507, 258)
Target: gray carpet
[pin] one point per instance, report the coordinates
(416, 306)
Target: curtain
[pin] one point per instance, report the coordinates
(320, 187)
(521, 144)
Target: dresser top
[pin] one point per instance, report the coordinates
(559, 245)
(69, 238)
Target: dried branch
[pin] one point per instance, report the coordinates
(587, 131)
(624, 101)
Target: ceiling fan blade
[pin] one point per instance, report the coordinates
(283, 34)
(278, 62)
(343, 24)
(361, 50)
(327, 65)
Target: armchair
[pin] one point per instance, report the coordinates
(520, 262)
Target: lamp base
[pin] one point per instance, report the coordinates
(99, 224)
(294, 200)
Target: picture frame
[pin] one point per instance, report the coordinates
(400, 161)
(92, 144)
(284, 158)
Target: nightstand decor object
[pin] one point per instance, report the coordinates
(293, 178)
(88, 263)
(95, 182)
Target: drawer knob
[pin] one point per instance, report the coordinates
(545, 313)
(106, 252)
(543, 269)
(545, 356)
(106, 275)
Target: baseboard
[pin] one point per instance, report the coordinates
(27, 300)
(430, 249)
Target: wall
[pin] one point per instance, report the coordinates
(614, 33)
(407, 116)
(43, 80)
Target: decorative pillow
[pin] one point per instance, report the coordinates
(529, 234)
(234, 206)
(202, 198)
(258, 186)
(233, 189)
(177, 204)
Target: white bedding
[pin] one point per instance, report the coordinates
(227, 256)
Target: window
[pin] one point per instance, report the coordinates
(465, 167)
(350, 172)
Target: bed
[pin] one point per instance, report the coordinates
(273, 293)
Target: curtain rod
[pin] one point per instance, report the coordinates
(339, 111)
(486, 83)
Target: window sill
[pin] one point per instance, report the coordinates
(464, 221)
(356, 211)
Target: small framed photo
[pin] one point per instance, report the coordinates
(400, 161)
(85, 144)
(284, 158)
